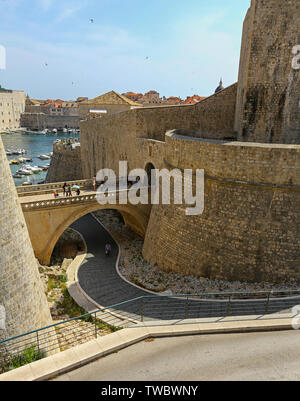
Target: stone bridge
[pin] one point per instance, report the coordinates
(47, 218)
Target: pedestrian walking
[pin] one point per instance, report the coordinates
(69, 190)
(65, 188)
(107, 249)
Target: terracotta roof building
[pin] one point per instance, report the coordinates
(108, 103)
(193, 99)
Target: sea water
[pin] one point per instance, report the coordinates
(35, 144)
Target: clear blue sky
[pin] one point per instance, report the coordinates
(177, 47)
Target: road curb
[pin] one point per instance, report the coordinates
(81, 355)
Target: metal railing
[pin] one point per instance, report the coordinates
(145, 310)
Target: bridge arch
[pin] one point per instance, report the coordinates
(46, 226)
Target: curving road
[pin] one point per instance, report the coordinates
(99, 279)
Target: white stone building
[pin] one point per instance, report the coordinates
(12, 105)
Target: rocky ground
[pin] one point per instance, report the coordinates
(61, 304)
(55, 275)
(135, 269)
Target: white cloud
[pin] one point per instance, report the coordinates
(114, 38)
(69, 11)
(45, 4)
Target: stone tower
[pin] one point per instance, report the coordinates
(21, 290)
(268, 100)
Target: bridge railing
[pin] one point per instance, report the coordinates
(58, 202)
(148, 310)
(49, 188)
(67, 201)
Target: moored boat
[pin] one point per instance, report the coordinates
(44, 157)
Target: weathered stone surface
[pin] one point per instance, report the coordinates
(21, 290)
(40, 121)
(12, 104)
(65, 164)
(250, 226)
(269, 88)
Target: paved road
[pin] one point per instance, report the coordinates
(248, 356)
(99, 279)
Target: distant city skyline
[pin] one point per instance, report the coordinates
(73, 48)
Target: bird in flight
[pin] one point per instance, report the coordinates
(91, 20)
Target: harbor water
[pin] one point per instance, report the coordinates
(35, 144)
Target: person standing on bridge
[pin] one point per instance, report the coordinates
(69, 193)
(64, 188)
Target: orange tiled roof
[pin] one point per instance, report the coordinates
(193, 99)
(130, 94)
(174, 99)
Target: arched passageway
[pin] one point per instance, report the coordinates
(149, 167)
(45, 225)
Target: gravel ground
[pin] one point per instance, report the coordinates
(135, 269)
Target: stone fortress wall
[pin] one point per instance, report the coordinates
(12, 104)
(106, 140)
(65, 163)
(250, 226)
(269, 87)
(21, 289)
(40, 121)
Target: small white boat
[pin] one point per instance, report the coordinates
(44, 168)
(19, 152)
(54, 131)
(44, 157)
(24, 171)
(65, 130)
(36, 169)
(18, 176)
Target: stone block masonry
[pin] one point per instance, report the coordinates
(106, 140)
(65, 164)
(269, 87)
(12, 104)
(250, 226)
(21, 290)
(40, 121)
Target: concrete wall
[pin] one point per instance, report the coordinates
(269, 88)
(21, 290)
(40, 121)
(12, 104)
(65, 164)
